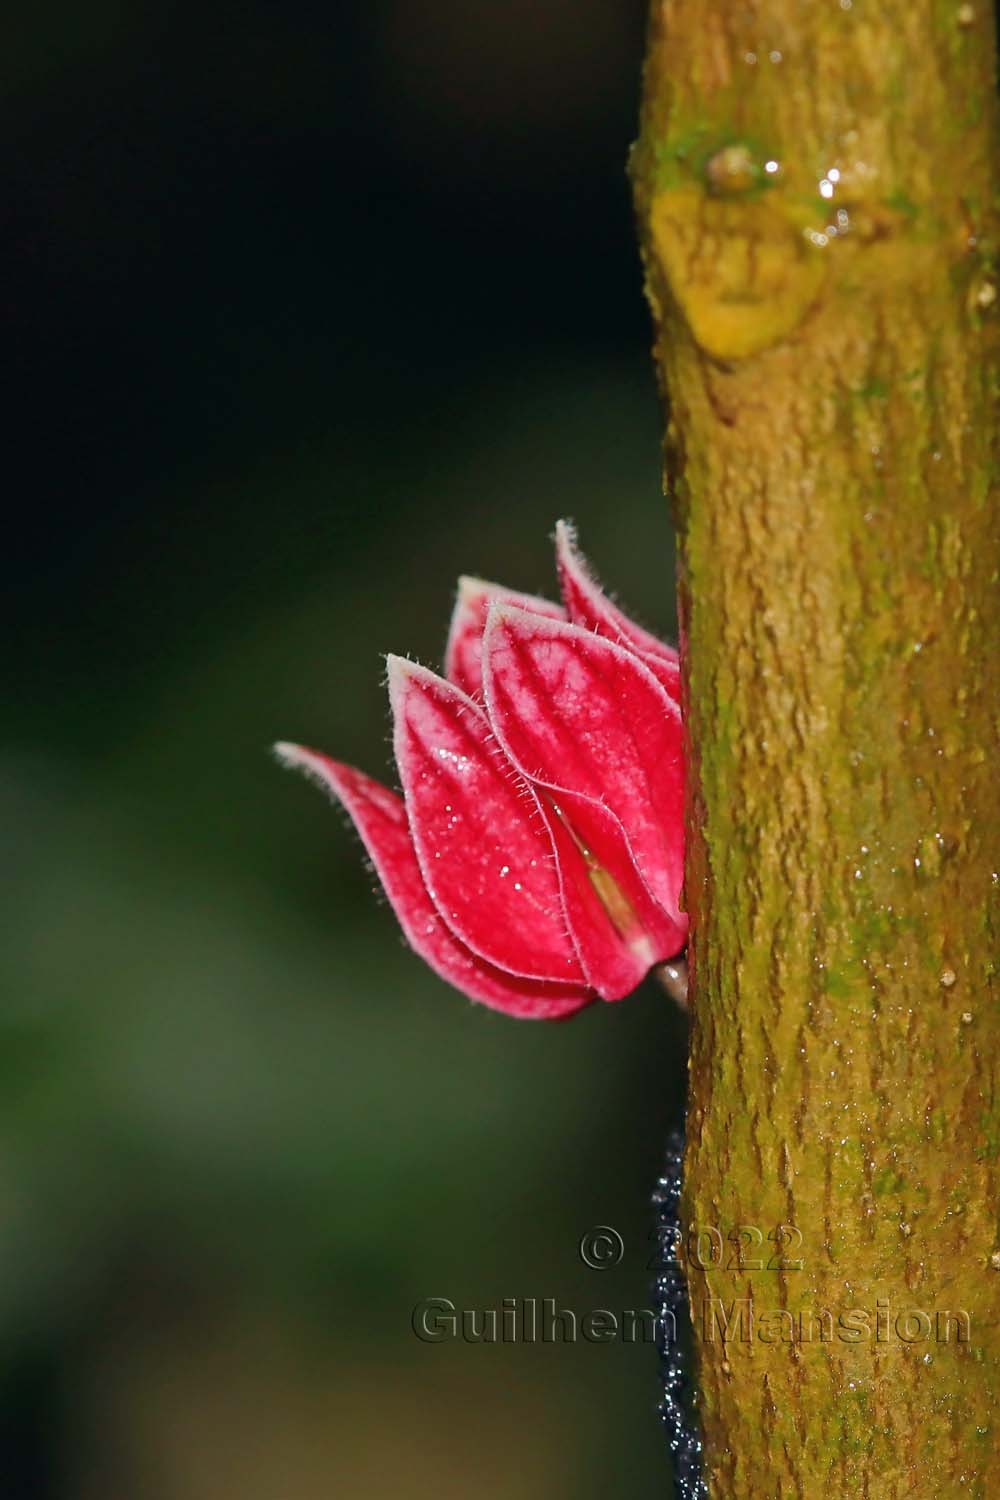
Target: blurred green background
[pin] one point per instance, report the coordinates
(311, 308)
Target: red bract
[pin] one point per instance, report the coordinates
(536, 856)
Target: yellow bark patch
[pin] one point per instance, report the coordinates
(743, 274)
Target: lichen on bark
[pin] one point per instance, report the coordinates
(817, 195)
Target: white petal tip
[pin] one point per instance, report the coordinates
(401, 673)
(508, 612)
(569, 556)
(316, 767)
(471, 590)
(398, 670)
(301, 758)
(288, 753)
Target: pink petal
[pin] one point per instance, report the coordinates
(463, 656)
(620, 931)
(380, 818)
(589, 605)
(586, 718)
(483, 847)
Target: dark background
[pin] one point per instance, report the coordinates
(309, 309)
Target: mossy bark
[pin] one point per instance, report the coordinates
(816, 186)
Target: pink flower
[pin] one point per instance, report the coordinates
(536, 855)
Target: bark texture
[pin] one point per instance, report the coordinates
(816, 186)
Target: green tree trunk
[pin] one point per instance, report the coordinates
(816, 185)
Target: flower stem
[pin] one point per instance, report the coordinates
(672, 977)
